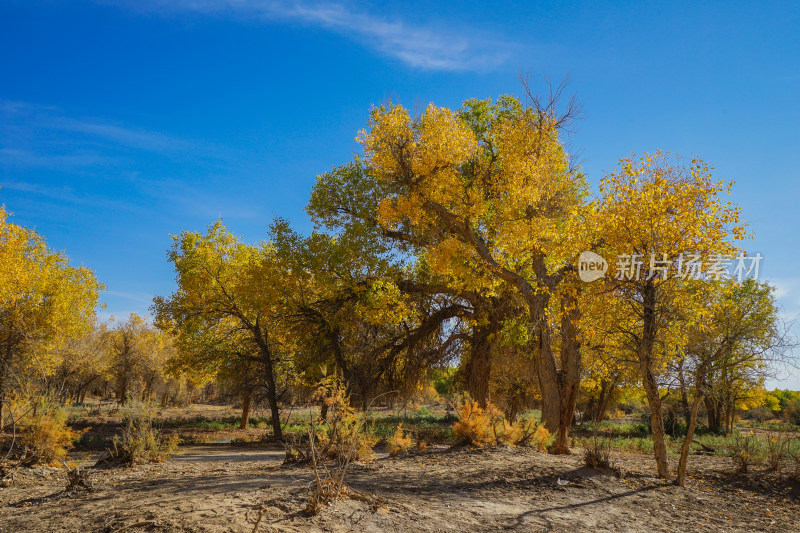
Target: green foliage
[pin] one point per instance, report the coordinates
(444, 381)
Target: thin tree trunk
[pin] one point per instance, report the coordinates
(247, 400)
(684, 396)
(272, 389)
(692, 425)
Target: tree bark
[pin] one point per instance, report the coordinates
(569, 375)
(713, 414)
(479, 366)
(478, 370)
(269, 370)
(687, 441)
(247, 400)
(648, 379)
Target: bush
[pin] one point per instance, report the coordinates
(488, 427)
(342, 439)
(777, 450)
(140, 442)
(344, 434)
(745, 453)
(46, 437)
(597, 454)
(399, 442)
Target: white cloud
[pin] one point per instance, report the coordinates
(787, 292)
(423, 47)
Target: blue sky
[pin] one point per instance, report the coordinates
(124, 122)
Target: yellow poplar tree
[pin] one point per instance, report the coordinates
(44, 302)
(488, 194)
(659, 219)
(231, 297)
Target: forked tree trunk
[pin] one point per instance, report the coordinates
(714, 414)
(559, 388)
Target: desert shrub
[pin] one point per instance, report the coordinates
(399, 442)
(140, 441)
(791, 411)
(793, 452)
(488, 427)
(422, 413)
(759, 413)
(343, 439)
(597, 453)
(345, 434)
(45, 437)
(745, 452)
(78, 478)
(777, 450)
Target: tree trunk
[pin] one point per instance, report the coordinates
(269, 370)
(714, 415)
(479, 366)
(649, 382)
(2, 396)
(569, 376)
(692, 424)
(687, 442)
(547, 373)
(684, 396)
(247, 400)
(607, 393)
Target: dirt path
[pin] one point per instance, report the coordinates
(221, 489)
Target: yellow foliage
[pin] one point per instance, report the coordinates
(488, 427)
(46, 438)
(399, 442)
(344, 435)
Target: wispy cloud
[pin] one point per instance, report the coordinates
(787, 292)
(39, 136)
(36, 135)
(427, 47)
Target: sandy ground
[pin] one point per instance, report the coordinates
(222, 488)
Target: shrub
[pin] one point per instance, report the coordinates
(794, 453)
(140, 442)
(487, 427)
(46, 437)
(344, 435)
(597, 454)
(342, 439)
(400, 442)
(777, 450)
(744, 453)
